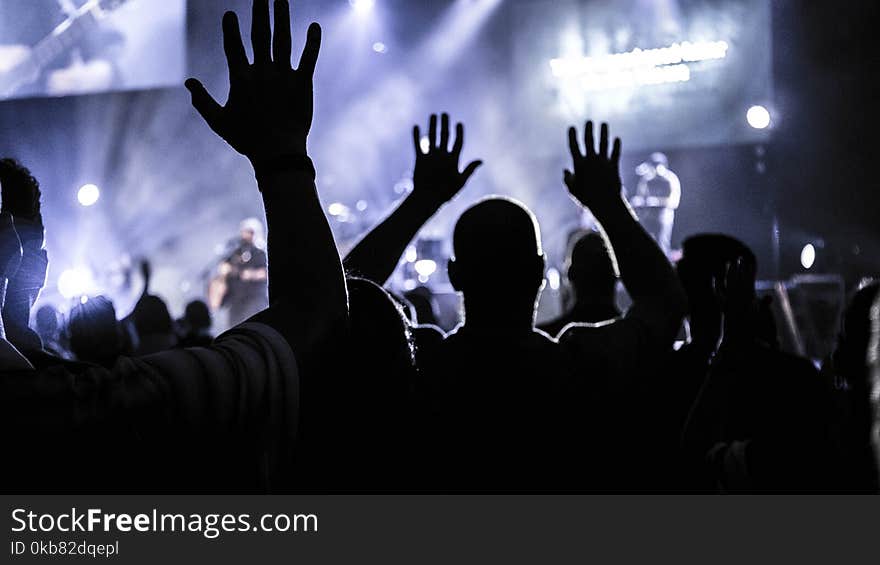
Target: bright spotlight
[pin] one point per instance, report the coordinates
(379, 47)
(88, 194)
(553, 278)
(337, 209)
(74, 282)
(425, 268)
(425, 144)
(808, 256)
(362, 6)
(758, 117)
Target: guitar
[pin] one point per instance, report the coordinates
(22, 65)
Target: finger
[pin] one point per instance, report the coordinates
(568, 178)
(603, 141)
(444, 131)
(417, 140)
(204, 103)
(459, 139)
(281, 40)
(236, 57)
(589, 142)
(309, 58)
(432, 130)
(261, 32)
(469, 170)
(573, 144)
(615, 151)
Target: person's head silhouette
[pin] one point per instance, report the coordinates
(591, 270)
(701, 270)
(47, 321)
(95, 335)
(498, 264)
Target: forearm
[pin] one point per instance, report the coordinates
(377, 254)
(304, 267)
(645, 271)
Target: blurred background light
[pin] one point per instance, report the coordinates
(758, 117)
(88, 194)
(808, 256)
(75, 282)
(362, 6)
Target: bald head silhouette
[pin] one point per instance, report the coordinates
(498, 264)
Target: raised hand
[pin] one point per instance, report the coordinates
(436, 178)
(736, 294)
(595, 182)
(269, 111)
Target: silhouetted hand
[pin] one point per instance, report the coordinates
(270, 106)
(736, 293)
(436, 179)
(146, 272)
(595, 182)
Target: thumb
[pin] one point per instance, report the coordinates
(469, 170)
(204, 104)
(568, 178)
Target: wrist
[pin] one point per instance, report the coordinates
(422, 204)
(298, 164)
(614, 210)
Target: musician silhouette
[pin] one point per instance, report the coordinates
(241, 281)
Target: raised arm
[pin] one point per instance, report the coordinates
(267, 118)
(658, 299)
(436, 180)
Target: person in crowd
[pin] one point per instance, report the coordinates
(497, 358)
(854, 418)
(150, 320)
(593, 282)
(222, 418)
(46, 321)
(760, 421)
(21, 200)
(194, 329)
(94, 333)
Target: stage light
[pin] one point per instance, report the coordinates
(337, 209)
(425, 268)
(75, 282)
(379, 47)
(362, 6)
(553, 278)
(88, 194)
(411, 254)
(758, 117)
(425, 144)
(808, 256)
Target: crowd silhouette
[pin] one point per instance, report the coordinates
(341, 386)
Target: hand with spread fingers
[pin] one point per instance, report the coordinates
(269, 111)
(595, 182)
(436, 178)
